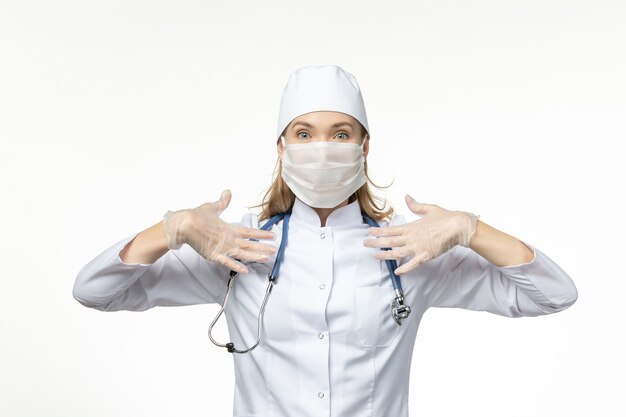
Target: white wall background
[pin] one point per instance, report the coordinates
(112, 112)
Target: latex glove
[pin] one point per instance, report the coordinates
(435, 233)
(214, 239)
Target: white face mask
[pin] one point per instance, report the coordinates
(323, 174)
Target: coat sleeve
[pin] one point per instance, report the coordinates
(462, 278)
(179, 277)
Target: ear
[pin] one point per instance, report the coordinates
(279, 148)
(366, 145)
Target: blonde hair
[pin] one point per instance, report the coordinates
(279, 197)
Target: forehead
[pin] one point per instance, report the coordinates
(324, 118)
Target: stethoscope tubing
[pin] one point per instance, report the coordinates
(399, 310)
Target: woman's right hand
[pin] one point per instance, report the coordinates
(214, 239)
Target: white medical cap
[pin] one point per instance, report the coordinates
(321, 88)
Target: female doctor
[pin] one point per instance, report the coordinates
(349, 281)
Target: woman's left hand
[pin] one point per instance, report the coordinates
(435, 233)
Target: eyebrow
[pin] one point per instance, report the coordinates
(332, 127)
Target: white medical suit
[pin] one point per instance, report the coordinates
(329, 345)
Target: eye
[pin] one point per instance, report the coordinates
(343, 133)
(302, 132)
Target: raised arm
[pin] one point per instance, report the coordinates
(184, 259)
(132, 275)
(469, 264)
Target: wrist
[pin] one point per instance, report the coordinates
(174, 227)
(469, 226)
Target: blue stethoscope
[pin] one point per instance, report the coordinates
(399, 310)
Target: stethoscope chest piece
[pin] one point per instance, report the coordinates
(399, 310)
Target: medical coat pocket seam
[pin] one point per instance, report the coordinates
(374, 325)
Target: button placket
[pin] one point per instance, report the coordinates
(322, 235)
(322, 348)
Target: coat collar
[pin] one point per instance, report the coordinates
(349, 214)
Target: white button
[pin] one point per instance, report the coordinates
(322, 286)
(320, 394)
(322, 235)
(320, 335)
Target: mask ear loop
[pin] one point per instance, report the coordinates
(362, 146)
